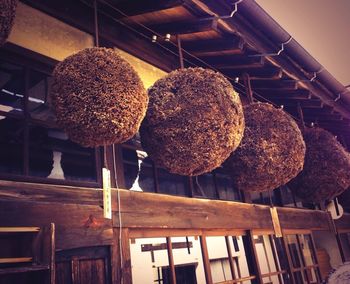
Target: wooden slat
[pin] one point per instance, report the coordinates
(272, 85)
(231, 62)
(185, 27)
(19, 229)
(23, 269)
(214, 46)
(133, 8)
(263, 73)
(25, 191)
(15, 259)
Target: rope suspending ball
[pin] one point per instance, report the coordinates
(272, 150)
(7, 17)
(326, 172)
(193, 122)
(98, 98)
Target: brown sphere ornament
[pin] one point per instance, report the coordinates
(326, 172)
(98, 98)
(272, 150)
(193, 122)
(7, 17)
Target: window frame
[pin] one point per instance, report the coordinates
(32, 61)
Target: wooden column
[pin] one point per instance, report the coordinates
(120, 257)
(171, 259)
(206, 262)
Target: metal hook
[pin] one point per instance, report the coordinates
(235, 10)
(283, 44)
(337, 98)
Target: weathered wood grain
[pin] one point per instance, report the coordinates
(76, 225)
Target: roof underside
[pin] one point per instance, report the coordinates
(232, 45)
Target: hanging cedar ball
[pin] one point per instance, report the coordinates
(326, 172)
(7, 17)
(98, 97)
(272, 150)
(193, 122)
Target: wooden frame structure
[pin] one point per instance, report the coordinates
(208, 38)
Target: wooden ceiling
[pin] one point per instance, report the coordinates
(230, 46)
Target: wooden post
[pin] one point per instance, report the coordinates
(290, 264)
(171, 259)
(121, 262)
(248, 87)
(206, 261)
(230, 258)
(181, 58)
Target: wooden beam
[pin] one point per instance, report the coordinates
(214, 46)
(25, 191)
(185, 27)
(231, 62)
(300, 94)
(263, 73)
(133, 8)
(269, 85)
(76, 225)
(310, 103)
(150, 210)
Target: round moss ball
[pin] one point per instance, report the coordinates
(193, 122)
(326, 172)
(98, 98)
(7, 17)
(272, 150)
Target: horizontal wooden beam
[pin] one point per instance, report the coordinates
(185, 27)
(234, 62)
(133, 8)
(290, 102)
(263, 73)
(272, 86)
(149, 210)
(214, 46)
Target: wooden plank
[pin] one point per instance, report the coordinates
(273, 85)
(150, 210)
(303, 219)
(185, 27)
(25, 191)
(208, 46)
(19, 229)
(133, 8)
(23, 269)
(15, 259)
(263, 73)
(77, 225)
(231, 62)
